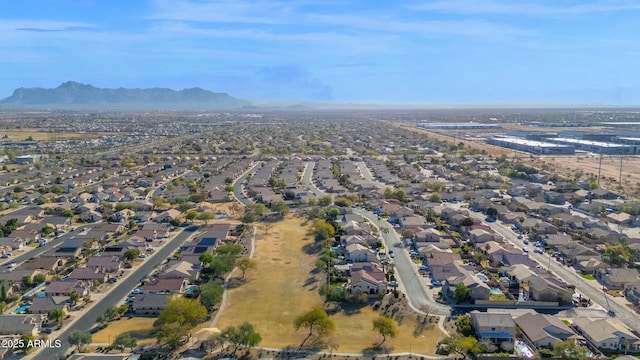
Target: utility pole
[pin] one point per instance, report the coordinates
(620, 175)
(599, 169)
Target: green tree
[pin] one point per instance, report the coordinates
(316, 319)
(463, 323)
(183, 311)
(343, 202)
(191, 215)
(222, 264)
(131, 254)
(160, 203)
(325, 200)
(492, 212)
(242, 336)
(280, 208)
(111, 314)
(79, 339)
(230, 249)
(569, 350)
(56, 315)
(206, 216)
(47, 230)
(245, 264)
(211, 295)
(27, 282)
(386, 327)
(467, 222)
(322, 230)
(206, 258)
(462, 345)
(461, 293)
(74, 297)
(27, 343)
(123, 341)
(179, 316)
(435, 197)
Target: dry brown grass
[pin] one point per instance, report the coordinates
(282, 288)
(271, 296)
(354, 333)
(139, 327)
(23, 134)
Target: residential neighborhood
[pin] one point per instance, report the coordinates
(481, 246)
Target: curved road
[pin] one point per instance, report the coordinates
(406, 269)
(238, 193)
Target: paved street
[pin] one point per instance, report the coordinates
(18, 259)
(408, 277)
(237, 186)
(407, 271)
(569, 275)
(120, 290)
(366, 173)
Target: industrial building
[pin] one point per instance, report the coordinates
(458, 126)
(597, 147)
(532, 146)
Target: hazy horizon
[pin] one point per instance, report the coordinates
(409, 53)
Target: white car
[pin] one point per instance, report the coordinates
(525, 249)
(12, 264)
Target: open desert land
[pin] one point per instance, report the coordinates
(284, 286)
(39, 135)
(564, 165)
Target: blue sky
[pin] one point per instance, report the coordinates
(435, 52)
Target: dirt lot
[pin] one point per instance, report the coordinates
(565, 165)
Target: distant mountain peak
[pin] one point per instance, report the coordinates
(71, 94)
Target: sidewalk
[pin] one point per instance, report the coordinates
(105, 289)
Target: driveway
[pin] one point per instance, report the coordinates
(84, 321)
(568, 275)
(408, 277)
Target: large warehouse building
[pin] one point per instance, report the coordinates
(458, 126)
(532, 146)
(597, 147)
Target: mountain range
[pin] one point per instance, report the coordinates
(74, 95)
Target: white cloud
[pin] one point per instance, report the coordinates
(535, 9)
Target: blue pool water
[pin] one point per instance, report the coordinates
(483, 277)
(41, 294)
(335, 249)
(34, 290)
(495, 291)
(191, 289)
(22, 309)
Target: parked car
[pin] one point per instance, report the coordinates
(12, 264)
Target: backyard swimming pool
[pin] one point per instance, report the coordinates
(483, 277)
(22, 309)
(496, 291)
